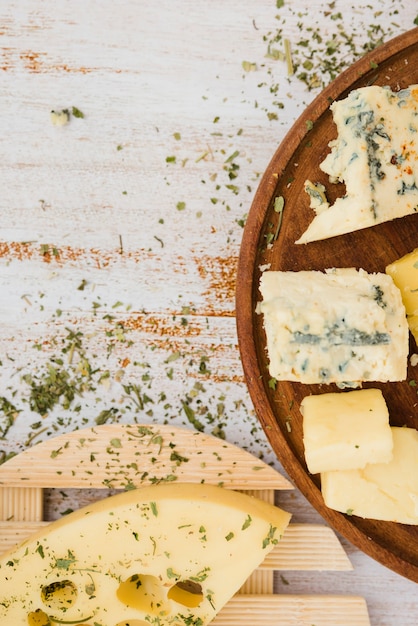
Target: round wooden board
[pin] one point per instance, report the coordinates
(297, 158)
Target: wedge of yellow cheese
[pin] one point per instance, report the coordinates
(346, 430)
(169, 554)
(404, 273)
(381, 491)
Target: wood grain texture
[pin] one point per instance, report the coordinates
(119, 456)
(93, 246)
(396, 64)
(294, 611)
(144, 455)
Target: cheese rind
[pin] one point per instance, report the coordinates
(381, 491)
(376, 156)
(404, 273)
(342, 325)
(346, 430)
(169, 554)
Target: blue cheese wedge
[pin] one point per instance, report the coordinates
(382, 491)
(339, 326)
(375, 155)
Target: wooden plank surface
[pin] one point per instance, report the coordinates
(132, 451)
(309, 547)
(294, 611)
(119, 456)
(120, 232)
(108, 458)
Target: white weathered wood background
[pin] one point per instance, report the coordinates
(120, 231)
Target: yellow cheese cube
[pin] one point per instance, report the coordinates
(346, 430)
(413, 326)
(167, 554)
(381, 491)
(404, 273)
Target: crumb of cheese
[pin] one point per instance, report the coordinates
(60, 118)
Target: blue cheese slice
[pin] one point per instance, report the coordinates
(375, 155)
(339, 326)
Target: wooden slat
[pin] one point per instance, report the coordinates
(294, 610)
(118, 456)
(309, 547)
(13, 533)
(261, 580)
(20, 505)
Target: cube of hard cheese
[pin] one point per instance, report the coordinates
(382, 491)
(404, 273)
(346, 430)
(167, 554)
(342, 325)
(413, 326)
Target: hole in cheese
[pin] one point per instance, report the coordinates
(142, 592)
(186, 592)
(38, 618)
(130, 549)
(59, 595)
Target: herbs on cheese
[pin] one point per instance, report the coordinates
(367, 467)
(376, 155)
(166, 554)
(382, 491)
(343, 326)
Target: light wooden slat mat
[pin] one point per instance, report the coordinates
(129, 456)
(293, 610)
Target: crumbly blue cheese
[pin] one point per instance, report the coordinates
(375, 155)
(339, 326)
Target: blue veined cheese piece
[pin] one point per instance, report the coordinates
(375, 155)
(341, 326)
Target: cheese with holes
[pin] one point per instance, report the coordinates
(376, 156)
(168, 554)
(404, 273)
(346, 430)
(342, 325)
(381, 491)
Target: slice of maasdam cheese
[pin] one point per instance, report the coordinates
(376, 156)
(404, 273)
(382, 491)
(167, 554)
(346, 430)
(343, 326)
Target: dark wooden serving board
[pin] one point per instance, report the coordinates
(298, 158)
